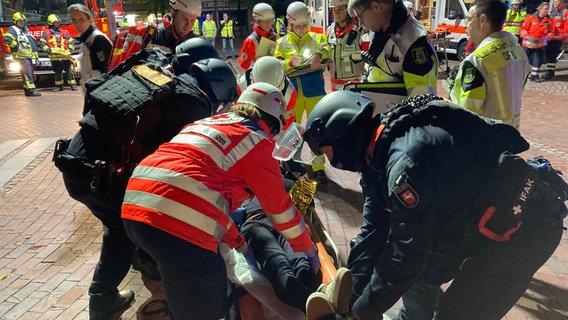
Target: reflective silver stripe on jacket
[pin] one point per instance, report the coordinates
(283, 217)
(213, 150)
(294, 231)
(183, 182)
(176, 210)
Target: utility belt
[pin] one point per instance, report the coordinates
(520, 191)
(103, 176)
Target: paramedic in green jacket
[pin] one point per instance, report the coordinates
(490, 81)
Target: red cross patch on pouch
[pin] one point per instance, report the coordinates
(406, 195)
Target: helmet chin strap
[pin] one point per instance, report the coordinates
(345, 161)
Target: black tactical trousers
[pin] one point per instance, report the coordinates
(289, 272)
(117, 249)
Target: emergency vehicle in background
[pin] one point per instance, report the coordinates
(446, 20)
(104, 12)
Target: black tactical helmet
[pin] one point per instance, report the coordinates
(342, 120)
(191, 51)
(217, 80)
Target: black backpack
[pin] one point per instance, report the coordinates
(127, 114)
(140, 104)
(502, 202)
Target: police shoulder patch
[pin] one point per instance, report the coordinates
(469, 75)
(419, 55)
(406, 195)
(101, 56)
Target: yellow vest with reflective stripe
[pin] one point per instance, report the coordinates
(209, 28)
(196, 30)
(227, 30)
(23, 41)
(310, 43)
(514, 21)
(504, 66)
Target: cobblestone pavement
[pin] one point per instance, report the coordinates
(49, 243)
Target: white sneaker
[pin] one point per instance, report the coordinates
(339, 290)
(318, 306)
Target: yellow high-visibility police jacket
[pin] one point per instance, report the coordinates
(406, 56)
(491, 80)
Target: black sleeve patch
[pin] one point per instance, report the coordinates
(100, 53)
(471, 77)
(419, 58)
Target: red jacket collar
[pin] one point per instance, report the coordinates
(262, 33)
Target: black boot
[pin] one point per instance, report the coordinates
(74, 87)
(156, 306)
(110, 307)
(58, 88)
(547, 75)
(32, 93)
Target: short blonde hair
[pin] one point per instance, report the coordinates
(542, 4)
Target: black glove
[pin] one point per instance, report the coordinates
(48, 51)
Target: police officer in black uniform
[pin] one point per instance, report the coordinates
(96, 169)
(446, 198)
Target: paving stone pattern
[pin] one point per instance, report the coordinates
(49, 243)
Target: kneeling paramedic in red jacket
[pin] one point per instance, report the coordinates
(178, 200)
